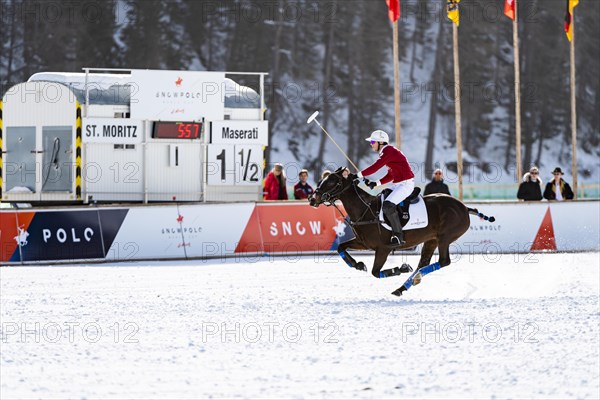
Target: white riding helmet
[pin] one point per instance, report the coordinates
(378, 136)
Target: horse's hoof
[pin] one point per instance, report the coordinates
(398, 292)
(417, 279)
(360, 266)
(405, 268)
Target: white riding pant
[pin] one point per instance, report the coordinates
(401, 190)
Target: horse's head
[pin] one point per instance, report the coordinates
(330, 188)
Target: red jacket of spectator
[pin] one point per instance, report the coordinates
(272, 190)
(395, 161)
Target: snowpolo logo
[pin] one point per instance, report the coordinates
(175, 97)
(21, 237)
(178, 94)
(174, 232)
(483, 227)
(340, 228)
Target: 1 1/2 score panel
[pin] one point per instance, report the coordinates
(229, 164)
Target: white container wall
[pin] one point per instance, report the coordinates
(39, 142)
(130, 148)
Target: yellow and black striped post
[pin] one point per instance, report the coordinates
(1, 149)
(78, 153)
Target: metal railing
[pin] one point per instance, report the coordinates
(509, 191)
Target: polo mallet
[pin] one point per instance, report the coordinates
(312, 118)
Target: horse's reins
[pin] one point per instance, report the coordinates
(331, 198)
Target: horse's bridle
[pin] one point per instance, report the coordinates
(329, 197)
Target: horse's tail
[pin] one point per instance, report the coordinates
(474, 211)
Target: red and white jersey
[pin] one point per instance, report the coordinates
(395, 161)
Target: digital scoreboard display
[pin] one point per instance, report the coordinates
(177, 130)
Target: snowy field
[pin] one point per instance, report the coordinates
(511, 326)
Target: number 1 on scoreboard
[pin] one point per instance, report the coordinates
(220, 165)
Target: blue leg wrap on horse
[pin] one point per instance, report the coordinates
(423, 271)
(344, 256)
(429, 269)
(390, 272)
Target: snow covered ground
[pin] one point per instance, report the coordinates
(511, 326)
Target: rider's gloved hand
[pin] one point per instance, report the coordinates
(369, 183)
(353, 177)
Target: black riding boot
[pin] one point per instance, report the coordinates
(391, 212)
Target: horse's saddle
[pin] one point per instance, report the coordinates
(412, 211)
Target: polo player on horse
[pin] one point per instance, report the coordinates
(399, 173)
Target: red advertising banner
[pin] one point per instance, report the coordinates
(289, 228)
(13, 230)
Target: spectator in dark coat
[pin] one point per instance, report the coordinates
(437, 184)
(531, 187)
(275, 184)
(302, 189)
(558, 189)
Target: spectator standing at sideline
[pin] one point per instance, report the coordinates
(275, 184)
(531, 187)
(302, 189)
(558, 189)
(437, 184)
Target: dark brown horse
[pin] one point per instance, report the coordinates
(448, 220)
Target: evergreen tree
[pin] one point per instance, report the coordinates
(95, 38)
(337, 57)
(155, 36)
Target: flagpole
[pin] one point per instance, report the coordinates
(457, 112)
(517, 63)
(396, 84)
(573, 110)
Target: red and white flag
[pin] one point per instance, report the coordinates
(509, 8)
(393, 9)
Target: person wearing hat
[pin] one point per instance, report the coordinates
(399, 174)
(437, 184)
(531, 187)
(558, 189)
(275, 184)
(302, 189)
